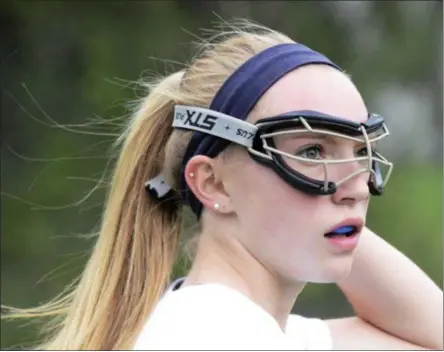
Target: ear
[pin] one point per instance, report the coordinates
(204, 180)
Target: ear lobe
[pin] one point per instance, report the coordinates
(204, 181)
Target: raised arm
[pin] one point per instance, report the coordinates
(397, 305)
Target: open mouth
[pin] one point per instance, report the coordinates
(343, 231)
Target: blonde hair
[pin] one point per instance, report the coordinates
(132, 260)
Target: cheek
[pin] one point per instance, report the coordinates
(283, 226)
(267, 205)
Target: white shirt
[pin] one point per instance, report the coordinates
(215, 317)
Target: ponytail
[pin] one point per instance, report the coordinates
(131, 263)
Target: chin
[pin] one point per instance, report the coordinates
(332, 271)
(337, 269)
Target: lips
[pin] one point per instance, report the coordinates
(346, 228)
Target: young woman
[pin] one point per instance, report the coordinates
(272, 147)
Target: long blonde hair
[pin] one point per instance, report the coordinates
(132, 260)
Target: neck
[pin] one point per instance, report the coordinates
(225, 261)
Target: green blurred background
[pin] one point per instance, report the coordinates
(76, 62)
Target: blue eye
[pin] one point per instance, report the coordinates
(312, 152)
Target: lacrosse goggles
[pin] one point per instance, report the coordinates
(271, 142)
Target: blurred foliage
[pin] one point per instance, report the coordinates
(74, 62)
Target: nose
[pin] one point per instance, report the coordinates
(355, 189)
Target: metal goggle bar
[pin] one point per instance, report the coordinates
(308, 122)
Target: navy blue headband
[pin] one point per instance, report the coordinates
(239, 94)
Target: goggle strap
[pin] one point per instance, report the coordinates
(214, 123)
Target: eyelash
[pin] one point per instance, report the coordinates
(304, 149)
(320, 149)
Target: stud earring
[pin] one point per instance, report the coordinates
(217, 206)
(191, 174)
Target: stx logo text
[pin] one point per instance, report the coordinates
(195, 119)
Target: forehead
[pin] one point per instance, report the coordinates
(313, 87)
